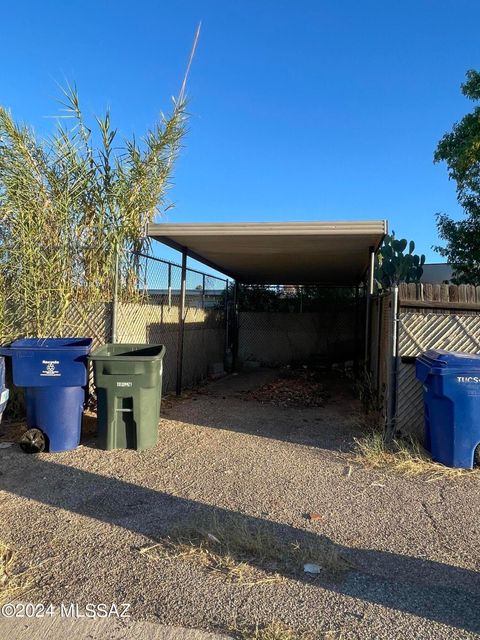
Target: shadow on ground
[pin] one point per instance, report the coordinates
(229, 404)
(428, 589)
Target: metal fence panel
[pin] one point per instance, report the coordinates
(148, 311)
(418, 332)
(152, 315)
(381, 347)
(410, 415)
(155, 324)
(204, 343)
(454, 332)
(275, 338)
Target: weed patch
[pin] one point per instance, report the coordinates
(247, 552)
(14, 581)
(406, 457)
(277, 630)
(273, 631)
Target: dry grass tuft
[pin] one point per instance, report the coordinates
(273, 631)
(276, 630)
(409, 458)
(13, 582)
(247, 552)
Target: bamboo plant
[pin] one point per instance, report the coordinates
(69, 203)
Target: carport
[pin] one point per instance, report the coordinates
(330, 254)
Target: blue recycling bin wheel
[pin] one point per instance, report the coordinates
(53, 372)
(33, 441)
(451, 383)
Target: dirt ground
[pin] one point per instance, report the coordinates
(85, 515)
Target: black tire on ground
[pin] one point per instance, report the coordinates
(33, 441)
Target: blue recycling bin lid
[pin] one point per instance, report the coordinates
(83, 345)
(440, 362)
(60, 362)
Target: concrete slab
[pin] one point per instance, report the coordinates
(58, 628)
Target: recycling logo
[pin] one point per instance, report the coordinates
(50, 369)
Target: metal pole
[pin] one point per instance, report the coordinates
(226, 342)
(169, 285)
(355, 361)
(115, 297)
(235, 325)
(203, 291)
(368, 307)
(393, 364)
(181, 323)
(379, 342)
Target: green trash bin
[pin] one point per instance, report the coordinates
(128, 378)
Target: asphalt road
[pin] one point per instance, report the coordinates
(82, 517)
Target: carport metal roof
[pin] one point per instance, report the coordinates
(333, 253)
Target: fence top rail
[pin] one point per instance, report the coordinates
(437, 296)
(433, 304)
(175, 264)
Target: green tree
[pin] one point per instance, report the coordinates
(460, 149)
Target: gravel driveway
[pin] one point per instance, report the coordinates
(87, 513)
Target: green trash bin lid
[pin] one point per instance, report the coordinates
(129, 352)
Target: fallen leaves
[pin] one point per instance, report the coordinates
(299, 389)
(315, 517)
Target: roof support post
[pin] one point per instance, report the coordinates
(181, 322)
(378, 346)
(368, 308)
(357, 329)
(235, 325)
(226, 310)
(169, 284)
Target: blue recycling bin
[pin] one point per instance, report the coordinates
(451, 383)
(3, 390)
(53, 372)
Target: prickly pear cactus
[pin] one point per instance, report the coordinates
(394, 265)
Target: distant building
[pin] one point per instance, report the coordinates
(437, 273)
(210, 299)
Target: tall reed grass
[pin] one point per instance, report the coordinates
(70, 202)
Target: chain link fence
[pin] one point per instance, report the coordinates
(276, 324)
(152, 313)
(147, 310)
(297, 324)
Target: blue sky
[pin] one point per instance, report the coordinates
(299, 110)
